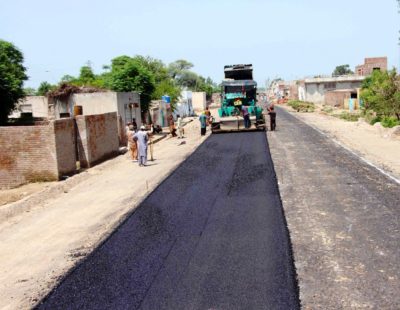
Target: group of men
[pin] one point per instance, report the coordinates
(206, 118)
(138, 139)
(271, 113)
(137, 144)
(179, 125)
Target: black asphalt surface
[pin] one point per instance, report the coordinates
(212, 236)
(344, 219)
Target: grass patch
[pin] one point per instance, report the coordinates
(350, 117)
(327, 109)
(301, 106)
(389, 122)
(386, 121)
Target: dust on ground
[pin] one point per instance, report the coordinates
(18, 193)
(380, 146)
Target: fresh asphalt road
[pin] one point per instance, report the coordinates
(211, 236)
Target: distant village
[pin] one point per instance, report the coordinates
(86, 126)
(336, 91)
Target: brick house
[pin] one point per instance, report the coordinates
(371, 64)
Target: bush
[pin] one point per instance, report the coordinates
(327, 109)
(350, 117)
(302, 106)
(374, 120)
(389, 122)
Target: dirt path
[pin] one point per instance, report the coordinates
(373, 143)
(11, 195)
(58, 227)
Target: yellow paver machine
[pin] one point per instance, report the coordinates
(239, 110)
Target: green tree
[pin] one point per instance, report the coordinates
(68, 79)
(86, 76)
(381, 93)
(167, 87)
(44, 88)
(155, 66)
(164, 84)
(208, 86)
(342, 70)
(128, 74)
(188, 79)
(12, 77)
(176, 68)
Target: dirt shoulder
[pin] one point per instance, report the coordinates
(15, 194)
(374, 143)
(46, 234)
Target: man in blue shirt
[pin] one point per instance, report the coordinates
(203, 123)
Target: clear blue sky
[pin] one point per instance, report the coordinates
(285, 38)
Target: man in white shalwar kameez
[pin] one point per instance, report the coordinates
(142, 140)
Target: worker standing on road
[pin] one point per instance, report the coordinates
(179, 124)
(203, 123)
(272, 117)
(171, 125)
(142, 140)
(132, 144)
(246, 117)
(208, 115)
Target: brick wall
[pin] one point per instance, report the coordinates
(64, 130)
(335, 99)
(370, 64)
(33, 153)
(97, 138)
(48, 152)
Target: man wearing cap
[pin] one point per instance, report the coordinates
(142, 140)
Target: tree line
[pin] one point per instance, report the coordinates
(144, 74)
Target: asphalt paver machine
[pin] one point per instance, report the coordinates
(238, 89)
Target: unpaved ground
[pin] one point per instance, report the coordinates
(374, 143)
(15, 194)
(46, 234)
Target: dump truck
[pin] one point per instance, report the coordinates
(238, 90)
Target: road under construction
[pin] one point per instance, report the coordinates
(212, 236)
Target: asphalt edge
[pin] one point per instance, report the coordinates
(287, 231)
(354, 153)
(113, 229)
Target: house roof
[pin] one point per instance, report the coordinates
(345, 78)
